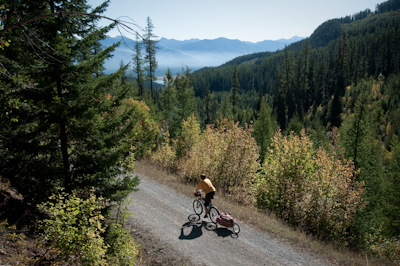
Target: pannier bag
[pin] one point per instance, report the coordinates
(225, 219)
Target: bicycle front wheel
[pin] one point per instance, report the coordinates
(214, 213)
(197, 207)
(236, 228)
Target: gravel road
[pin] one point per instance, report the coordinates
(171, 219)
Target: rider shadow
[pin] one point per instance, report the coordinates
(192, 229)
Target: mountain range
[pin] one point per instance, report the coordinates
(194, 53)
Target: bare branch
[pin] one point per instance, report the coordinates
(63, 14)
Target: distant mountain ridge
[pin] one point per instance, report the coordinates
(194, 53)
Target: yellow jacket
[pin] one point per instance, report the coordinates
(206, 185)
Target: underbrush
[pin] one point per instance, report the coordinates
(74, 233)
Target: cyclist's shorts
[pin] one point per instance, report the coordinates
(209, 196)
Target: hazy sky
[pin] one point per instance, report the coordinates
(246, 20)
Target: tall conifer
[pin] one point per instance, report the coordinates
(66, 135)
(235, 86)
(138, 65)
(150, 44)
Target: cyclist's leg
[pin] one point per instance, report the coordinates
(207, 201)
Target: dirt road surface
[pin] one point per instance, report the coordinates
(170, 218)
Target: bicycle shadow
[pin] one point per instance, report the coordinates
(192, 229)
(220, 231)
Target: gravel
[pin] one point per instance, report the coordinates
(165, 225)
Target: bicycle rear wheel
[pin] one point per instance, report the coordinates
(236, 228)
(214, 213)
(197, 207)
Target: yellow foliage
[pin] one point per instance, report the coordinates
(227, 154)
(311, 188)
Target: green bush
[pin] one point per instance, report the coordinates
(74, 229)
(74, 232)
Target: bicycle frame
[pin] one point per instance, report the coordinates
(210, 207)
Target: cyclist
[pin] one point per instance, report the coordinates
(208, 189)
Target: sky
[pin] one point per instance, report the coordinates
(245, 20)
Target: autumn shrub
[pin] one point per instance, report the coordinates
(227, 154)
(170, 152)
(74, 232)
(314, 189)
(165, 156)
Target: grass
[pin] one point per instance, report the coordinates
(329, 252)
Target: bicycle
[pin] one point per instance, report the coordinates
(198, 204)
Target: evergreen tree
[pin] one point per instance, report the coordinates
(150, 44)
(304, 82)
(357, 125)
(259, 101)
(168, 98)
(284, 100)
(186, 103)
(392, 210)
(207, 107)
(124, 77)
(225, 109)
(359, 138)
(263, 128)
(65, 135)
(342, 73)
(138, 65)
(234, 90)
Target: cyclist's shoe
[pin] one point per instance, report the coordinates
(205, 216)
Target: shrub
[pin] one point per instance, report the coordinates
(228, 154)
(165, 155)
(168, 155)
(383, 247)
(74, 230)
(311, 188)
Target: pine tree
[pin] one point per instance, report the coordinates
(234, 90)
(207, 107)
(66, 135)
(356, 127)
(150, 44)
(263, 128)
(304, 82)
(186, 102)
(393, 199)
(342, 73)
(138, 65)
(225, 109)
(168, 98)
(284, 97)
